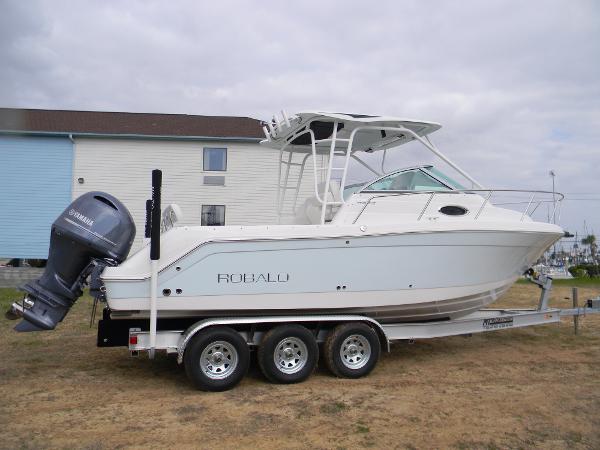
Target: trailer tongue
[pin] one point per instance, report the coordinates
(95, 231)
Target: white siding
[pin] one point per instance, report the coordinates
(122, 167)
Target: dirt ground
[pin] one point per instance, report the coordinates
(521, 388)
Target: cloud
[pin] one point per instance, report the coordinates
(515, 84)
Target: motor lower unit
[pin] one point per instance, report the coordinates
(96, 230)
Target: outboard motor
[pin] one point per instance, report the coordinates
(95, 231)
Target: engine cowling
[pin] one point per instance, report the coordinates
(95, 230)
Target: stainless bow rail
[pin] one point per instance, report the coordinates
(557, 199)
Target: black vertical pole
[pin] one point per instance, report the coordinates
(156, 211)
(148, 225)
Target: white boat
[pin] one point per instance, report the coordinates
(555, 272)
(410, 245)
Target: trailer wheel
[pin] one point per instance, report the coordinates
(352, 350)
(288, 354)
(216, 359)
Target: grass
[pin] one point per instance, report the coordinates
(542, 382)
(469, 445)
(362, 428)
(8, 296)
(333, 407)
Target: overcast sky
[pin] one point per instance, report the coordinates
(515, 84)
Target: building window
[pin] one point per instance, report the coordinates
(215, 159)
(213, 215)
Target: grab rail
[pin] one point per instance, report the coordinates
(557, 199)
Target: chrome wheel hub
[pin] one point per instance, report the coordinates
(355, 351)
(218, 360)
(290, 355)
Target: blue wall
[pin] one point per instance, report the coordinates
(35, 186)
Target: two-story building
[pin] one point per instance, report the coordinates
(213, 168)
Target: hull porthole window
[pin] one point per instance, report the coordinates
(453, 210)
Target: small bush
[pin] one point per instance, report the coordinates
(578, 272)
(583, 270)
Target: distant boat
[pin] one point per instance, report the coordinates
(556, 272)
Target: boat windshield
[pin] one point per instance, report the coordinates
(445, 178)
(408, 180)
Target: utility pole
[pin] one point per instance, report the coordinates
(576, 247)
(553, 175)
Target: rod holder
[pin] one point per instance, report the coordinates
(148, 224)
(156, 212)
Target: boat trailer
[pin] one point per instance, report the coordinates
(484, 320)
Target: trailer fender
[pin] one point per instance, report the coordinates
(232, 321)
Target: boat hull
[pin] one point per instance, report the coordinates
(408, 312)
(393, 277)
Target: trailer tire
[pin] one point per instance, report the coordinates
(288, 354)
(216, 359)
(352, 350)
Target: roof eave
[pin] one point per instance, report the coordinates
(130, 136)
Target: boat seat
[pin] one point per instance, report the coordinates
(311, 208)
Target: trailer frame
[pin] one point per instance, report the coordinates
(482, 321)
